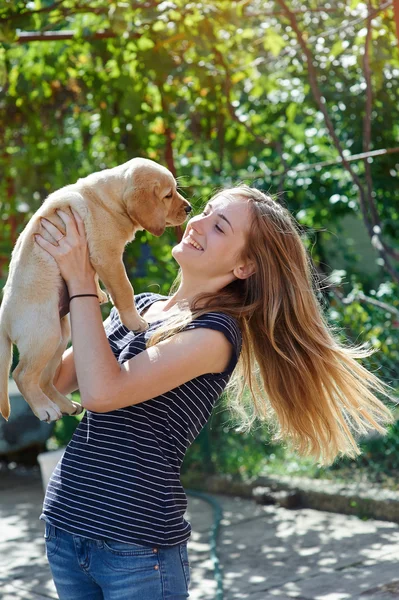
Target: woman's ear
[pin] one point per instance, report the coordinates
(245, 270)
(144, 206)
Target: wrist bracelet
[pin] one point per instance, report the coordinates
(82, 295)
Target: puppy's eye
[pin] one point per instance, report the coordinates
(169, 195)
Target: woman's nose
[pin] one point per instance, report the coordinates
(198, 224)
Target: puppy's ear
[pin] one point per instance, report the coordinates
(145, 207)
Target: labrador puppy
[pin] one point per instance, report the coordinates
(114, 204)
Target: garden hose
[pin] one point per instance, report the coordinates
(218, 515)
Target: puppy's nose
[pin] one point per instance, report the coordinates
(188, 208)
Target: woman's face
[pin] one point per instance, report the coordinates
(220, 230)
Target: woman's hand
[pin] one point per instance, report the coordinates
(70, 251)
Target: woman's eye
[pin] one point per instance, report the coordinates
(217, 226)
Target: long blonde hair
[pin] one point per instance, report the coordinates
(303, 382)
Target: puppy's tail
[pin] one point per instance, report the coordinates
(5, 363)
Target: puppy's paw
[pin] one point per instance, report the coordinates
(143, 325)
(48, 412)
(78, 408)
(134, 322)
(103, 297)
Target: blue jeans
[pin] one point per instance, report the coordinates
(86, 569)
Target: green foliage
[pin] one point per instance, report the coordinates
(381, 454)
(220, 79)
(220, 449)
(379, 461)
(218, 91)
(364, 322)
(64, 428)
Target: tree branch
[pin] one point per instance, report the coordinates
(361, 297)
(71, 10)
(345, 26)
(396, 16)
(280, 150)
(353, 296)
(27, 13)
(305, 11)
(367, 137)
(367, 111)
(320, 101)
(58, 36)
(326, 163)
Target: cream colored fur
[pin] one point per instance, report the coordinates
(114, 204)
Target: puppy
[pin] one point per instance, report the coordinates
(114, 204)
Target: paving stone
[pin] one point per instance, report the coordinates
(265, 552)
(199, 514)
(386, 591)
(9, 592)
(366, 582)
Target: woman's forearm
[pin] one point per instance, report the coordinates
(65, 377)
(96, 366)
(57, 374)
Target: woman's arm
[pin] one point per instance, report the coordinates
(162, 368)
(65, 379)
(103, 384)
(106, 385)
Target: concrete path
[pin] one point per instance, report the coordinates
(265, 552)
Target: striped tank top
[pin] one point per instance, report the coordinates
(119, 477)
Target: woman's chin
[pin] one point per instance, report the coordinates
(177, 252)
(180, 249)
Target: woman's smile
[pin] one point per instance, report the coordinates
(188, 242)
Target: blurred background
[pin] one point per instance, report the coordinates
(298, 99)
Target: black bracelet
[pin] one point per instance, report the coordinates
(82, 295)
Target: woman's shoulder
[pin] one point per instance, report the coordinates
(220, 321)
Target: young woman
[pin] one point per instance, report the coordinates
(243, 301)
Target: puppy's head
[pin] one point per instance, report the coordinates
(150, 197)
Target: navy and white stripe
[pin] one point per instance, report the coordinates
(120, 475)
